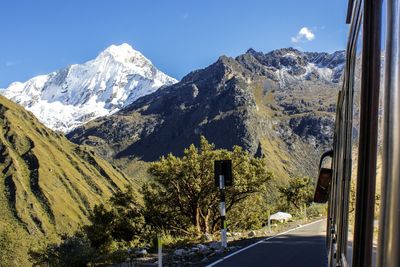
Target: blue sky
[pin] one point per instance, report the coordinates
(178, 36)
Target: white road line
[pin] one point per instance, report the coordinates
(259, 242)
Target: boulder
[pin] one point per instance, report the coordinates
(194, 249)
(180, 252)
(219, 251)
(141, 252)
(215, 245)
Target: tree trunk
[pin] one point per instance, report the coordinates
(197, 222)
(206, 223)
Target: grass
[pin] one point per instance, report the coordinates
(49, 185)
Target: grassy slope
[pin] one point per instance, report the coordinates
(283, 162)
(48, 185)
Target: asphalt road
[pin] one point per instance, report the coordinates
(303, 246)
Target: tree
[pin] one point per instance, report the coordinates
(118, 224)
(71, 251)
(299, 192)
(183, 194)
(121, 221)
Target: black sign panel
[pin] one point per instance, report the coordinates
(223, 167)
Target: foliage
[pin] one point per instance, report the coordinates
(112, 228)
(316, 210)
(122, 222)
(183, 194)
(251, 213)
(71, 251)
(299, 192)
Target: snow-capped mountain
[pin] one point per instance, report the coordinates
(290, 65)
(70, 97)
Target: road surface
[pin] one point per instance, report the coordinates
(301, 247)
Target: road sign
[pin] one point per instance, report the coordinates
(223, 167)
(223, 177)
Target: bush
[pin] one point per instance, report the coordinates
(298, 193)
(120, 224)
(316, 210)
(72, 251)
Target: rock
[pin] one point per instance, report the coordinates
(215, 245)
(194, 249)
(233, 248)
(204, 259)
(299, 225)
(141, 252)
(228, 234)
(252, 234)
(180, 252)
(201, 246)
(203, 249)
(192, 254)
(219, 251)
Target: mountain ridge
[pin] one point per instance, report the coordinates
(69, 97)
(276, 105)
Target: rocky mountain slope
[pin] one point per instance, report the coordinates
(48, 184)
(279, 105)
(67, 98)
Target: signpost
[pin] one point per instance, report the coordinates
(159, 246)
(223, 177)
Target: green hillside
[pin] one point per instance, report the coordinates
(48, 185)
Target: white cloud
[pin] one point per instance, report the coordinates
(304, 35)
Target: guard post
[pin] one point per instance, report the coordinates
(223, 177)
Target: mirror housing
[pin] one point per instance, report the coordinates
(322, 188)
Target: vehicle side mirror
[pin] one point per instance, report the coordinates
(322, 188)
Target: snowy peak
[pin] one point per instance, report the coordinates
(72, 96)
(123, 53)
(288, 65)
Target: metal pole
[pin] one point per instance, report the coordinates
(367, 152)
(389, 234)
(223, 211)
(159, 243)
